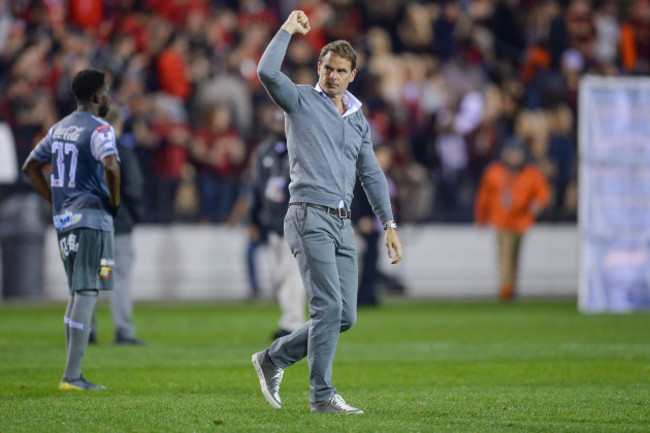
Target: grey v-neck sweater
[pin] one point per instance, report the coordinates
(326, 150)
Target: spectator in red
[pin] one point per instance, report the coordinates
(169, 157)
(172, 70)
(86, 14)
(220, 156)
(134, 24)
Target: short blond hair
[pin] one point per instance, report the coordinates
(343, 48)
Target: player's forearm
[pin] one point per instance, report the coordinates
(112, 178)
(34, 172)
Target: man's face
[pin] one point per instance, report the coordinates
(104, 101)
(334, 74)
(514, 157)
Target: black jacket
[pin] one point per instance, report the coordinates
(360, 206)
(131, 190)
(270, 186)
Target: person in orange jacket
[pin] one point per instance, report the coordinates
(511, 194)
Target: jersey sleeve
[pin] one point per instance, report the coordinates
(42, 152)
(102, 142)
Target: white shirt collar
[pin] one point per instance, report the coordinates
(350, 101)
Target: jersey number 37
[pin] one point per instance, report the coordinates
(61, 149)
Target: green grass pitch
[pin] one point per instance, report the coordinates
(412, 366)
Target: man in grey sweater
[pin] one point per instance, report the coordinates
(328, 140)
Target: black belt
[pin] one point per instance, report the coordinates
(340, 212)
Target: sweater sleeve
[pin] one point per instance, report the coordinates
(279, 87)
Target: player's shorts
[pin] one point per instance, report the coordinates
(88, 258)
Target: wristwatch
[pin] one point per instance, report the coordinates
(390, 225)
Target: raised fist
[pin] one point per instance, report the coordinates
(297, 23)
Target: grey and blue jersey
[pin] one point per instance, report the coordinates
(75, 147)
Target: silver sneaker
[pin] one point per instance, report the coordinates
(335, 404)
(270, 378)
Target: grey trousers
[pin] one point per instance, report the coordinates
(323, 245)
(121, 303)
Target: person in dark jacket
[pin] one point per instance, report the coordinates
(130, 212)
(270, 200)
(368, 227)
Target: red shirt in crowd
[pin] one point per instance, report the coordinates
(172, 74)
(87, 14)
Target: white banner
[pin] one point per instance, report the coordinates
(8, 161)
(614, 213)
(449, 261)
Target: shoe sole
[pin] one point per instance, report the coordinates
(265, 391)
(65, 386)
(359, 412)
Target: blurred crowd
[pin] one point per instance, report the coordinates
(443, 83)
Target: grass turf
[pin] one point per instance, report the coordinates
(413, 366)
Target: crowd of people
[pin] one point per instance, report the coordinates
(443, 83)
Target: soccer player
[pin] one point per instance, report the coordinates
(328, 140)
(84, 189)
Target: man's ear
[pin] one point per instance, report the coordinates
(354, 74)
(97, 98)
